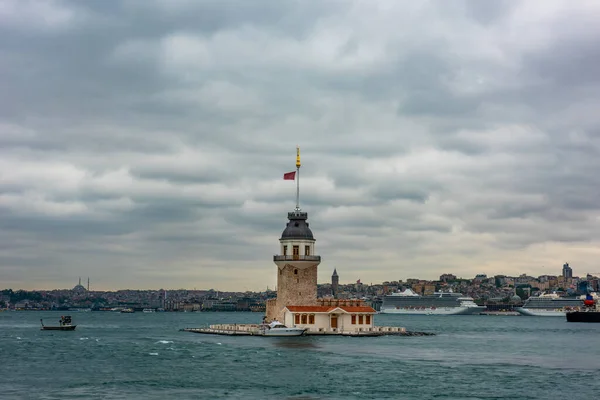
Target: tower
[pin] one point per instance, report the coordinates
(567, 272)
(296, 262)
(335, 281)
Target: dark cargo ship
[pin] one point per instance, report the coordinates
(590, 314)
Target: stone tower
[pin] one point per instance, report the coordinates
(335, 281)
(297, 266)
(296, 262)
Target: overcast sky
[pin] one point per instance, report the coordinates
(143, 143)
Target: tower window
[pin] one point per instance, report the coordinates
(285, 250)
(296, 252)
(295, 272)
(307, 250)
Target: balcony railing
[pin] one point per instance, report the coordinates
(297, 258)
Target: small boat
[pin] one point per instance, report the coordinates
(148, 310)
(64, 325)
(276, 328)
(127, 310)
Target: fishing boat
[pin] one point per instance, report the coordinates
(276, 328)
(64, 325)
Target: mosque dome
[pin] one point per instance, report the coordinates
(516, 299)
(297, 227)
(79, 288)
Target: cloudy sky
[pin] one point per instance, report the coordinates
(142, 143)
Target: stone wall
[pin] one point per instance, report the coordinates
(295, 286)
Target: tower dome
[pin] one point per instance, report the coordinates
(297, 227)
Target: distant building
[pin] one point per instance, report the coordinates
(335, 281)
(79, 288)
(567, 271)
(447, 277)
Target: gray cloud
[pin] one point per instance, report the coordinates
(143, 143)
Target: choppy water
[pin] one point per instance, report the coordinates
(144, 356)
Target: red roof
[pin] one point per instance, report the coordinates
(357, 309)
(327, 309)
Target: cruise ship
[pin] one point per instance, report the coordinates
(550, 305)
(439, 303)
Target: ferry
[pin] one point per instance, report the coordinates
(439, 303)
(550, 305)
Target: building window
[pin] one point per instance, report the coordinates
(297, 318)
(360, 319)
(304, 318)
(297, 280)
(285, 250)
(296, 252)
(307, 250)
(353, 319)
(311, 319)
(368, 319)
(295, 272)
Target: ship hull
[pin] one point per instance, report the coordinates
(530, 312)
(59, 328)
(583, 316)
(434, 311)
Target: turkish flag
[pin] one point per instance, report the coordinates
(290, 176)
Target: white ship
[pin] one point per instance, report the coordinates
(276, 328)
(551, 305)
(439, 303)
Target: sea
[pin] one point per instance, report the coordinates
(146, 356)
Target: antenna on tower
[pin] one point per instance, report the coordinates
(298, 165)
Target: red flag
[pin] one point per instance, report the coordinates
(290, 176)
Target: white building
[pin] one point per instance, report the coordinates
(325, 318)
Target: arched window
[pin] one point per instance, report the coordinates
(311, 319)
(297, 318)
(353, 319)
(368, 319)
(360, 319)
(304, 319)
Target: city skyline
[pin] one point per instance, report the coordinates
(143, 143)
(324, 282)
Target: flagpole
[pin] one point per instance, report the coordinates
(297, 178)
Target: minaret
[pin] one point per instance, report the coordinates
(296, 262)
(335, 280)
